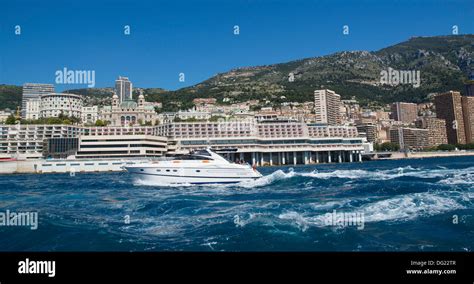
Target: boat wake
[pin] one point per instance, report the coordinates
(396, 209)
(443, 175)
(394, 174)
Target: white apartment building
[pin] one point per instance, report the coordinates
(123, 89)
(331, 131)
(90, 114)
(33, 91)
(226, 109)
(193, 114)
(121, 146)
(27, 141)
(327, 107)
(282, 130)
(33, 109)
(118, 130)
(166, 117)
(4, 115)
(52, 105)
(269, 143)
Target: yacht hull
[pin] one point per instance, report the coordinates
(161, 179)
(193, 175)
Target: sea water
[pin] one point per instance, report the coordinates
(403, 205)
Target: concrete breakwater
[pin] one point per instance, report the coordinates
(415, 155)
(62, 166)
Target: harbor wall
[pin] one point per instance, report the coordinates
(419, 155)
(61, 166)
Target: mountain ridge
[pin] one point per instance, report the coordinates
(443, 61)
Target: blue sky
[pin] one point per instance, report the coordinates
(197, 37)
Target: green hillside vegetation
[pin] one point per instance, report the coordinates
(10, 97)
(61, 119)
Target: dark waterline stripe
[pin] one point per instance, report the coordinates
(191, 176)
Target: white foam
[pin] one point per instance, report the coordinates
(407, 171)
(268, 179)
(408, 207)
(400, 208)
(349, 174)
(461, 178)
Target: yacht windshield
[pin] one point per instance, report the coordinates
(202, 153)
(191, 157)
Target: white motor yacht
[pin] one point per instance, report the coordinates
(200, 167)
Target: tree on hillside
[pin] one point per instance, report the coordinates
(446, 147)
(100, 122)
(387, 146)
(11, 119)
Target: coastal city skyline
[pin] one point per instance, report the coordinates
(448, 119)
